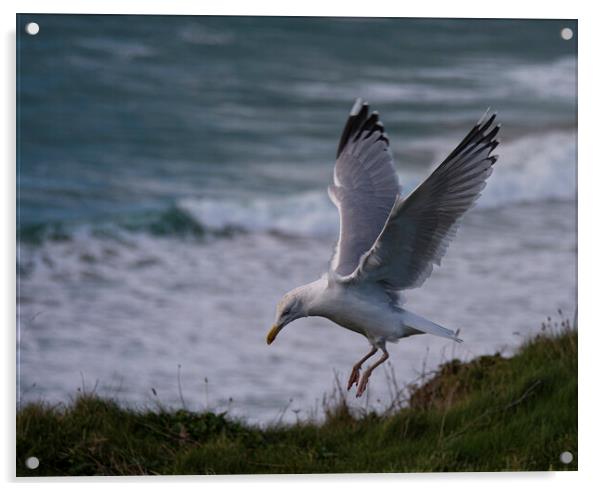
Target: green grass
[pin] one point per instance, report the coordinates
(490, 414)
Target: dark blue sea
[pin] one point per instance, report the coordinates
(171, 182)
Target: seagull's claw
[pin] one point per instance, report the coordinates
(363, 384)
(354, 377)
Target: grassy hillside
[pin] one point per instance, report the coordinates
(490, 414)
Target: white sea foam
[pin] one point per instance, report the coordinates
(534, 168)
(499, 80)
(557, 79)
(120, 49)
(530, 169)
(127, 310)
(308, 214)
(203, 35)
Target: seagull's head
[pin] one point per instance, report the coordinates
(291, 307)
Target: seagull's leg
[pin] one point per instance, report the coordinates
(364, 381)
(355, 371)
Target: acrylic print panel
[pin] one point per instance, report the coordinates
(172, 187)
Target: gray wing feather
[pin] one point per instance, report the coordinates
(420, 227)
(365, 186)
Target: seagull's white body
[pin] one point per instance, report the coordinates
(365, 310)
(388, 243)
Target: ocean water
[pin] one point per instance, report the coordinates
(172, 177)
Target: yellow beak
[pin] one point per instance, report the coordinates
(273, 333)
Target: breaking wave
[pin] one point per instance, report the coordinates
(531, 169)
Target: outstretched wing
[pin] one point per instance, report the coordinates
(365, 187)
(420, 227)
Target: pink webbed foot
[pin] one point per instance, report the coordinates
(354, 377)
(363, 384)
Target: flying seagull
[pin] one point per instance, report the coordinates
(388, 243)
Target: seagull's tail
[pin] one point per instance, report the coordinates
(424, 325)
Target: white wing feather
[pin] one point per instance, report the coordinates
(365, 187)
(420, 227)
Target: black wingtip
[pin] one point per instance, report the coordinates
(485, 126)
(360, 120)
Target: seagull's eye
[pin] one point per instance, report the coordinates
(286, 312)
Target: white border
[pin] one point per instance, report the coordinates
(590, 162)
